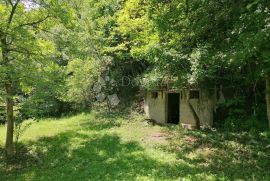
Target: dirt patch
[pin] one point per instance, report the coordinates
(156, 137)
(190, 139)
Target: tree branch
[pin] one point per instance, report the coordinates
(13, 10)
(33, 23)
(10, 2)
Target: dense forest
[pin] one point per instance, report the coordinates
(54, 52)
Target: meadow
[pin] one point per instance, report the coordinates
(112, 146)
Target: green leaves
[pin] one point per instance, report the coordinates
(31, 58)
(206, 42)
(83, 74)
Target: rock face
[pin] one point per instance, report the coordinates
(102, 88)
(100, 97)
(113, 100)
(97, 88)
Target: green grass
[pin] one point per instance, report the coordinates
(100, 146)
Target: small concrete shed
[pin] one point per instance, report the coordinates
(188, 107)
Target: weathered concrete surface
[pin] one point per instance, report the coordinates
(156, 108)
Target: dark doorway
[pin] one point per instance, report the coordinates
(173, 108)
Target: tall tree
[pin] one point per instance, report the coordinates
(21, 22)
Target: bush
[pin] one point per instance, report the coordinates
(237, 115)
(37, 107)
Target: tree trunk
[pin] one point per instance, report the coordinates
(8, 80)
(9, 101)
(10, 121)
(267, 95)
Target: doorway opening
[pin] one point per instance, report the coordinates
(173, 108)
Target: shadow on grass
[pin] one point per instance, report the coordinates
(99, 157)
(236, 156)
(77, 155)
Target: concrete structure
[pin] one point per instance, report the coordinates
(188, 107)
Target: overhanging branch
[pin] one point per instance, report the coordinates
(33, 23)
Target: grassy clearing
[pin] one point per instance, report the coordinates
(100, 146)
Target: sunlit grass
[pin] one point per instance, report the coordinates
(48, 127)
(102, 146)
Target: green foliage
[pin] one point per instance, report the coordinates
(83, 75)
(29, 64)
(235, 116)
(20, 128)
(58, 49)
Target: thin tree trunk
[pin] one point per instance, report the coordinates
(8, 82)
(10, 121)
(9, 101)
(267, 95)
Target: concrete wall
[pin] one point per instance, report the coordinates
(155, 108)
(187, 118)
(207, 105)
(203, 107)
